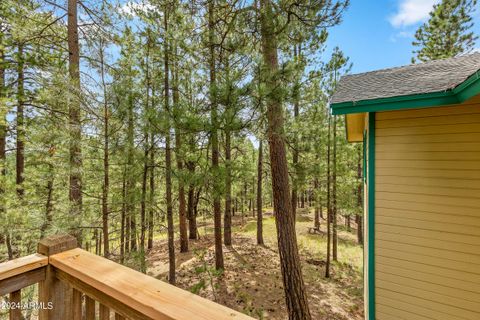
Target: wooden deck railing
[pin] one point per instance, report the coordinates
(72, 282)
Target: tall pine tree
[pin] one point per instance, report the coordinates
(448, 31)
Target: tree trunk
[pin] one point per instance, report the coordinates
(329, 207)
(20, 158)
(181, 196)
(168, 159)
(192, 218)
(123, 217)
(146, 156)
(228, 190)
(296, 107)
(217, 215)
(49, 203)
(152, 193)
(259, 195)
(317, 203)
(195, 205)
(8, 242)
(179, 157)
(294, 287)
(3, 130)
(334, 192)
(253, 199)
(243, 199)
(106, 160)
(131, 233)
(359, 218)
(143, 201)
(75, 126)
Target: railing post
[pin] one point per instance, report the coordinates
(55, 296)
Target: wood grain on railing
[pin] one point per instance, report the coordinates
(22, 272)
(21, 265)
(18, 274)
(89, 308)
(133, 294)
(67, 276)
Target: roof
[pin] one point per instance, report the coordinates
(432, 83)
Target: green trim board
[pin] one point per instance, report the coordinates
(464, 91)
(371, 216)
(365, 156)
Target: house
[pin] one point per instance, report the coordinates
(421, 128)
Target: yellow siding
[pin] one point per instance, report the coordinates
(427, 233)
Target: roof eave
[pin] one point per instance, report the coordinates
(464, 91)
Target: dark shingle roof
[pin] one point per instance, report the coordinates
(434, 76)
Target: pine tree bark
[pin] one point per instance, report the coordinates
(217, 215)
(131, 232)
(317, 204)
(20, 155)
(75, 126)
(168, 156)
(296, 107)
(227, 220)
(181, 196)
(227, 216)
(334, 193)
(294, 287)
(259, 194)
(152, 192)
(179, 157)
(143, 202)
(3, 129)
(192, 217)
(329, 206)
(8, 242)
(146, 156)
(123, 217)
(106, 155)
(49, 203)
(359, 218)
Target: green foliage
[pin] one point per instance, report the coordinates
(122, 98)
(447, 33)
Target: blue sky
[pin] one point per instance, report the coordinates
(378, 34)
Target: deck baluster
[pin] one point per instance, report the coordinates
(15, 299)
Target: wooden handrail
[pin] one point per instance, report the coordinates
(21, 265)
(122, 288)
(20, 273)
(67, 274)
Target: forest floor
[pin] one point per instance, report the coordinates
(252, 283)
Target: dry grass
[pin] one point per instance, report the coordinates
(252, 283)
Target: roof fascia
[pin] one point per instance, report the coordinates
(466, 90)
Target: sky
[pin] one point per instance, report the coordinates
(378, 34)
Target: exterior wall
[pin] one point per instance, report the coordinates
(427, 214)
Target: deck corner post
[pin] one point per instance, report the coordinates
(54, 296)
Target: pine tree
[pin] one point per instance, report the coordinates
(448, 31)
(75, 192)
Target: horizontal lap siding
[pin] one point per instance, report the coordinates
(428, 214)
